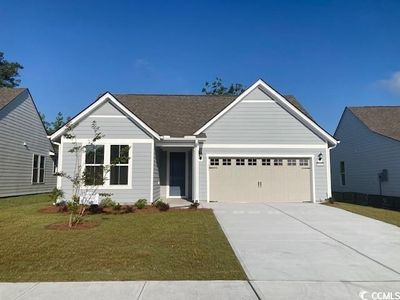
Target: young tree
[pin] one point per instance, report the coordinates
(217, 88)
(84, 182)
(9, 71)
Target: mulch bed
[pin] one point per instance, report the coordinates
(79, 226)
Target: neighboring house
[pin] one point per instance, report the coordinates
(26, 165)
(369, 144)
(257, 147)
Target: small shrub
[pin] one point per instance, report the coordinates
(158, 202)
(95, 209)
(331, 200)
(141, 203)
(107, 201)
(56, 194)
(129, 209)
(116, 206)
(194, 205)
(163, 206)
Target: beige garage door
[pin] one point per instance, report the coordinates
(260, 179)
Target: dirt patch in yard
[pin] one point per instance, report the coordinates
(80, 226)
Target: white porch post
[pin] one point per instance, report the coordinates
(195, 172)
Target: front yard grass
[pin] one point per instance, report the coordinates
(173, 245)
(384, 215)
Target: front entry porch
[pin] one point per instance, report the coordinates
(176, 173)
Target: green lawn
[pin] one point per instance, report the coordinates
(174, 245)
(384, 215)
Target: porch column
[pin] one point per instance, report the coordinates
(195, 172)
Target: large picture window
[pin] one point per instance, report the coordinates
(94, 165)
(38, 168)
(119, 158)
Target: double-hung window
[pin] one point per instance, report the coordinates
(119, 159)
(94, 165)
(38, 169)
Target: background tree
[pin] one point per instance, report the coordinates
(217, 88)
(9, 71)
(58, 122)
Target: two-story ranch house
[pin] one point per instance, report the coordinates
(256, 147)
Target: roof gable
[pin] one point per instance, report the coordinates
(295, 108)
(9, 94)
(181, 115)
(384, 120)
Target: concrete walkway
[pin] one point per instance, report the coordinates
(310, 251)
(124, 290)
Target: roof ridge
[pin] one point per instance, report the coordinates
(183, 95)
(372, 106)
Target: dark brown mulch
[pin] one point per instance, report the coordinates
(79, 226)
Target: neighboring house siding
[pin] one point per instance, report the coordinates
(156, 174)
(19, 123)
(365, 154)
(320, 176)
(116, 125)
(123, 131)
(259, 122)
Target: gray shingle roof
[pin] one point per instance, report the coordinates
(384, 120)
(180, 115)
(9, 94)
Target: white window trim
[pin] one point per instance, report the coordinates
(107, 151)
(38, 171)
(233, 155)
(186, 174)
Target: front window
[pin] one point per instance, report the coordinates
(119, 157)
(94, 165)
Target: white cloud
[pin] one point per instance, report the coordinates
(392, 84)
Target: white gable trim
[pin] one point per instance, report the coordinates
(106, 97)
(260, 83)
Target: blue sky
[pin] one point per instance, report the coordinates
(329, 54)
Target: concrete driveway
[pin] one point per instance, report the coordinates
(311, 251)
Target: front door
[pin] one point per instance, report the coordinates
(177, 174)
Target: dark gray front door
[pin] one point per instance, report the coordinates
(177, 174)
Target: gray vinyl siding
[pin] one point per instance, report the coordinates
(259, 123)
(121, 127)
(156, 174)
(321, 180)
(140, 172)
(365, 154)
(19, 123)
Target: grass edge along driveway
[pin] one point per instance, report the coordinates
(173, 245)
(384, 215)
